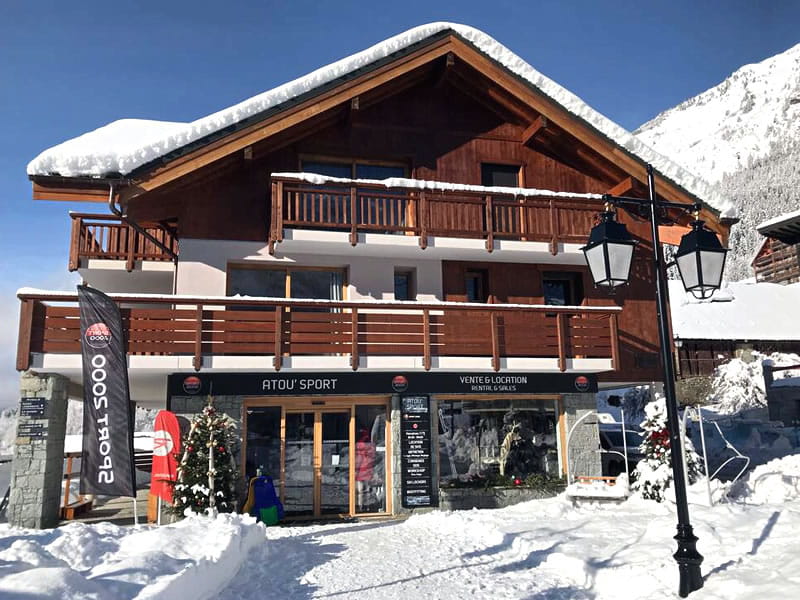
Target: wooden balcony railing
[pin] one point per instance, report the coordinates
(201, 327)
(106, 236)
(360, 207)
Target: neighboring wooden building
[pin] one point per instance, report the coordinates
(778, 258)
(291, 227)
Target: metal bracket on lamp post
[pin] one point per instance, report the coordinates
(687, 556)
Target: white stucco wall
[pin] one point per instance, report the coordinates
(203, 264)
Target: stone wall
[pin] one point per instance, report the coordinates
(492, 497)
(585, 441)
(37, 467)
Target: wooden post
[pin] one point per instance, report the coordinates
(26, 311)
(353, 216)
(613, 326)
(495, 342)
(426, 339)
(131, 236)
(68, 479)
(562, 342)
(279, 216)
(272, 235)
(489, 223)
(74, 244)
(198, 339)
(277, 361)
(553, 228)
(422, 219)
(354, 340)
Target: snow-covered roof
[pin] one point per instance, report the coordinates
(115, 149)
(780, 219)
(740, 311)
(424, 184)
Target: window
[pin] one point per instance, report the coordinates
(493, 175)
(562, 288)
(497, 438)
(404, 288)
(374, 207)
(286, 282)
(476, 283)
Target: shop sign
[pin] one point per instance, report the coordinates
(416, 466)
(348, 383)
(32, 407)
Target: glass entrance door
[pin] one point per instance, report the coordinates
(335, 463)
(299, 473)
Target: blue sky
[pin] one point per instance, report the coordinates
(70, 67)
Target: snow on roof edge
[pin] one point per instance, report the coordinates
(779, 219)
(60, 159)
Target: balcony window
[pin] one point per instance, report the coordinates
(282, 282)
(494, 175)
(562, 288)
(476, 283)
(373, 206)
(404, 288)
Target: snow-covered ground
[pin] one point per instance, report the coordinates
(544, 549)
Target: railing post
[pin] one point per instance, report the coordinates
(353, 216)
(24, 339)
(274, 199)
(74, 244)
(495, 342)
(279, 219)
(354, 358)
(553, 228)
(426, 339)
(422, 219)
(277, 361)
(613, 327)
(561, 329)
(130, 250)
(489, 223)
(197, 361)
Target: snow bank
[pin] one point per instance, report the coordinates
(194, 558)
(776, 482)
(122, 146)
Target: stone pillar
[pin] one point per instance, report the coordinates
(37, 467)
(584, 458)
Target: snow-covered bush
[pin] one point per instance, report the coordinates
(653, 474)
(739, 385)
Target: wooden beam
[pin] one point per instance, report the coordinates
(623, 188)
(535, 128)
(69, 193)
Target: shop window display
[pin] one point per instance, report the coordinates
(497, 439)
(370, 463)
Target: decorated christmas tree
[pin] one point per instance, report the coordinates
(653, 474)
(207, 474)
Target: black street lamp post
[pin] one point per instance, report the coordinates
(700, 259)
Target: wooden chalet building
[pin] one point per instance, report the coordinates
(399, 231)
(778, 258)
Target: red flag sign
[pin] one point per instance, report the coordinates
(166, 452)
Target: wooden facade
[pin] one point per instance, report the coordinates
(777, 262)
(441, 111)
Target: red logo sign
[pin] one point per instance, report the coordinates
(98, 335)
(399, 383)
(192, 384)
(581, 383)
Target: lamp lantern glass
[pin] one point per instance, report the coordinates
(701, 260)
(609, 252)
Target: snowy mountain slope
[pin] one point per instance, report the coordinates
(744, 136)
(734, 123)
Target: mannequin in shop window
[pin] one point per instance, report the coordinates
(365, 470)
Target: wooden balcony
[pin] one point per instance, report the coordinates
(107, 237)
(283, 329)
(359, 207)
